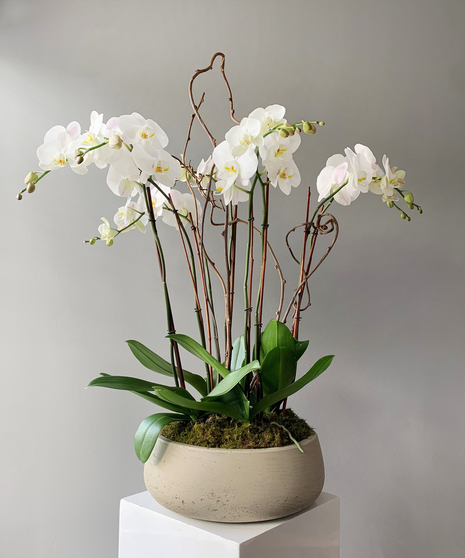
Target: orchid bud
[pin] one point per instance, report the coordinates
(403, 215)
(411, 206)
(283, 133)
(92, 241)
(390, 204)
(19, 196)
(291, 131)
(115, 142)
(408, 197)
(31, 187)
(309, 128)
(31, 178)
(298, 130)
(420, 210)
(321, 123)
(79, 160)
(110, 242)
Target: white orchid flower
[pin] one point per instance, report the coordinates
(184, 175)
(97, 134)
(158, 199)
(385, 184)
(369, 156)
(333, 177)
(72, 130)
(77, 163)
(235, 194)
(247, 135)
(285, 175)
(94, 134)
(392, 179)
(387, 199)
(52, 153)
(361, 168)
(184, 204)
(233, 173)
(278, 149)
(120, 184)
(360, 171)
(106, 154)
(269, 117)
(204, 171)
(106, 232)
(130, 213)
(123, 175)
(157, 163)
(137, 130)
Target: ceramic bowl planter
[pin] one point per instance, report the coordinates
(235, 486)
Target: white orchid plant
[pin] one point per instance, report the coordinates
(258, 371)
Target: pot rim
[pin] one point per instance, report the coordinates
(289, 447)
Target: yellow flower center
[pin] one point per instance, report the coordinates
(88, 138)
(280, 151)
(146, 133)
(159, 169)
(269, 122)
(60, 160)
(232, 169)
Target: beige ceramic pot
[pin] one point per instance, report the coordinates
(235, 486)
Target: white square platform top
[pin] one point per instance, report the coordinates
(238, 533)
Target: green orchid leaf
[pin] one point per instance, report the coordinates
(279, 368)
(232, 380)
(197, 350)
(149, 430)
(206, 406)
(236, 399)
(121, 382)
(300, 348)
(144, 393)
(318, 368)
(156, 363)
(276, 334)
(133, 384)
(163, 404)
(238, 353)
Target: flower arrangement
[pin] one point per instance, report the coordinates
(256, 372)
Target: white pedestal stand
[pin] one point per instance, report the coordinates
(147, 530)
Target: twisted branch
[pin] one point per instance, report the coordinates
(322, 228)
(191, 94)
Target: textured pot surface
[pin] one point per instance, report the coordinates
(235, 486)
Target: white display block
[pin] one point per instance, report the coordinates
(148, 530)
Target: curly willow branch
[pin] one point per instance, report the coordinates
(276, 266)
(320, 228)
(189, 130)
(287, 240)
(191, 94)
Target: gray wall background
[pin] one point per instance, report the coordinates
(389, 302)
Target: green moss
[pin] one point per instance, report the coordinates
(223, 432)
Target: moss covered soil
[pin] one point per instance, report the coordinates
(223, 432)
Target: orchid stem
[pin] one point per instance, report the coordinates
(248, 276)
(259, 307)
(175, 357)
